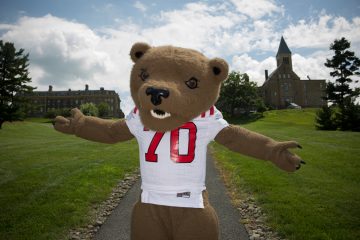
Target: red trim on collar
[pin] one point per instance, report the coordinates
(211, 112)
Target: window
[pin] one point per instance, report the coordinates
(286, 60)
(286, 87)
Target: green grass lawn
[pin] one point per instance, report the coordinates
(322, 199)
(49, 181)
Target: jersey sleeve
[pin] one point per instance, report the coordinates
(216, 124)
(133, 122)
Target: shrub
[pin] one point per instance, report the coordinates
(52, 113)
(89, 109)
(325, 119)
(104, 109)
(348, 118)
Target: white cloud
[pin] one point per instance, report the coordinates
(140, 6)
(197, 25)
(312, 66)
(320, 32)
(255, 69)
(65, 51)
(67, 54)
(257, 8)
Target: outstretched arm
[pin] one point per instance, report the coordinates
(93, 128)
(256, 145)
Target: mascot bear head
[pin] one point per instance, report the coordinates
(171, 86)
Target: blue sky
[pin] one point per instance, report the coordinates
(73, 43)
(91, 12)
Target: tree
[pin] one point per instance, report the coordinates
(104, 109)
(344, 64)
(238, 92)
(325, 119)
(89, 109)
(14, 77)
(344, 113)
(348, 116)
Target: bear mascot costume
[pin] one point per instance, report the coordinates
(174, 90)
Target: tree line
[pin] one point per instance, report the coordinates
(89, 109)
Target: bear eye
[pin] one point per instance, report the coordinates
(192, 83)
(144, 74)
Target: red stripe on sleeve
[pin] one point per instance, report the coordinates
(135, 110)
(203, 114)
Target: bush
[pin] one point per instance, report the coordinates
(104, 109)
(52, 113)
(65, 112)
(345, 118)
(348, 118)
(89, 109)
(325, 119)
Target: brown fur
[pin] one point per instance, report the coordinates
(256, 145)
(92, 128)
(169, 68)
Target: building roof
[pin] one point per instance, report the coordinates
(72, 93)
(283, 47)
(76, 93)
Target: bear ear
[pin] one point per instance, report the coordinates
(219, 68)
(138, 50)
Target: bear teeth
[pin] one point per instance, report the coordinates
(159, 114)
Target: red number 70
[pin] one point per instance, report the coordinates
(151, 156)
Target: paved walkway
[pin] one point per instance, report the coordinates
(117, 226)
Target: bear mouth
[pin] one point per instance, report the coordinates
(159, 114)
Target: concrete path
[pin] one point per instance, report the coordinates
(117, 226)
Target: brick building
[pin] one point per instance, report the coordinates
(283, 85)
(45, 101)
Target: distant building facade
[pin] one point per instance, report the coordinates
(45, 101)
(283, 85)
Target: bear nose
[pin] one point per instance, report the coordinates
(157, 94)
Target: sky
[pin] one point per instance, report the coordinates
(76, 42)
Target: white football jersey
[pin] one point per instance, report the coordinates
(173, 164)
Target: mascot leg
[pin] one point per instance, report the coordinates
(151, 221)
(198, 223)
(147, 222)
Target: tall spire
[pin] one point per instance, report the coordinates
(283, 48)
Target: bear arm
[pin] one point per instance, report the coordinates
(101, 130)
(246, 142)
(256, 145)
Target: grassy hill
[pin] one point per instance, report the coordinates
(49, 180)
(322, 199)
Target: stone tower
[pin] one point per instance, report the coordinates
(283, 55)
(284, 87)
